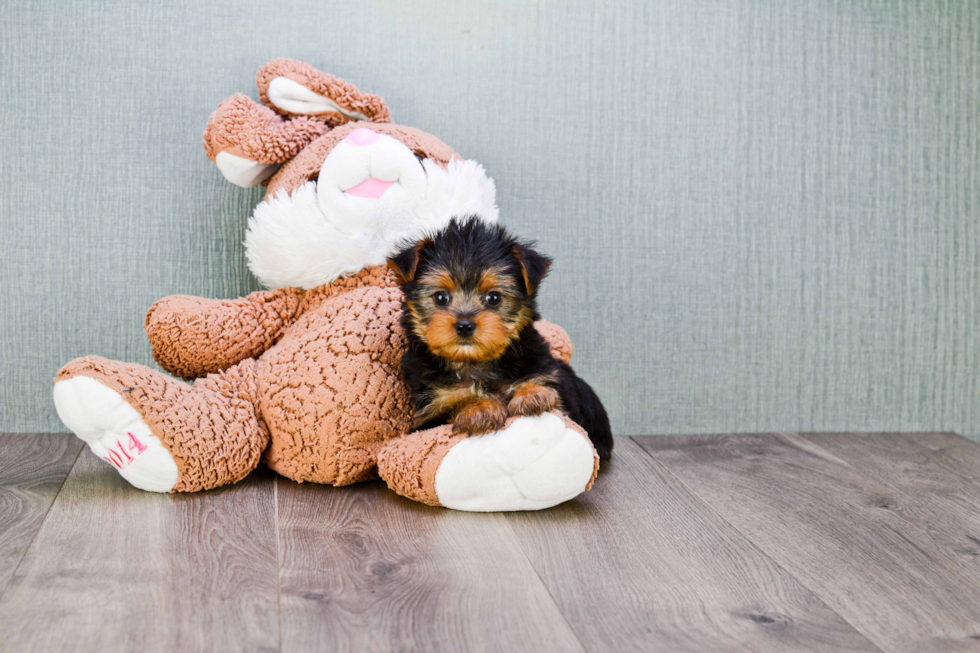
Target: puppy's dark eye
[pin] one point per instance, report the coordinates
(493, 298)
(441, 298)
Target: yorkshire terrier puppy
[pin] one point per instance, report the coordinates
(474, 357)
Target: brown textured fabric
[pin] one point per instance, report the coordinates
(557, 339)
(210, 428)
(306, 166)
(319, 402)
(595, 456)
(192, 336)
(256, 132)
(330, 390)
(377, 275)
(333, 392)
(345, 94)
(409, 464)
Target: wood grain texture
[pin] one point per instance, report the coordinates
(726, 543)
(33, 467)
(950, 453)
(884, 528)
(641, 564)
(763, 214)
(363, 569)
(114, 568)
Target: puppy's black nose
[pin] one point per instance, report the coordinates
(465, 327)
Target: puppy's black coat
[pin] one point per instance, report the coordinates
(474, 356)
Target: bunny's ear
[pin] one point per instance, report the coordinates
(248, 142)
(293, 88)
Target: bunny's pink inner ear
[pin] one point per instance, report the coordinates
(293, 88)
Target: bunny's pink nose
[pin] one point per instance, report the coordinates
(362, 136)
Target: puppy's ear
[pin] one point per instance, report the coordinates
(406, 262)
(534, 266)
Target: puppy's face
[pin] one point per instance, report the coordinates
(469, 289)
(468, 315)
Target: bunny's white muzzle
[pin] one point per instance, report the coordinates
(369, 180)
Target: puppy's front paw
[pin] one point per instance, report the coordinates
(481, 416)
(533, 399)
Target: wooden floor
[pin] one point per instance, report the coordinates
(783, 542)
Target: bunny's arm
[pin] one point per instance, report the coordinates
(557, 339)
(192, 336)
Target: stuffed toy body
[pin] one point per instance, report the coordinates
(306, 376)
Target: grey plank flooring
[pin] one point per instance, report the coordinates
(935, 487)
(641, 564)
(884, 528)
(365, 570)
(117, 569)
(781, 542)
(948, 453)
(33, 467)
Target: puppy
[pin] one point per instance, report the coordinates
(474, 357)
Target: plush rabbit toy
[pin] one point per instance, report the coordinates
(306, 376)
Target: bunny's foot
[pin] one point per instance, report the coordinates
(160, 434)
(530, 464)
(115, 432)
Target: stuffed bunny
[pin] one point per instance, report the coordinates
(306, 376)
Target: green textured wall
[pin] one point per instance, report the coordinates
(764, 214)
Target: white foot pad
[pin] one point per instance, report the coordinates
(115, 432)
(535, 463)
